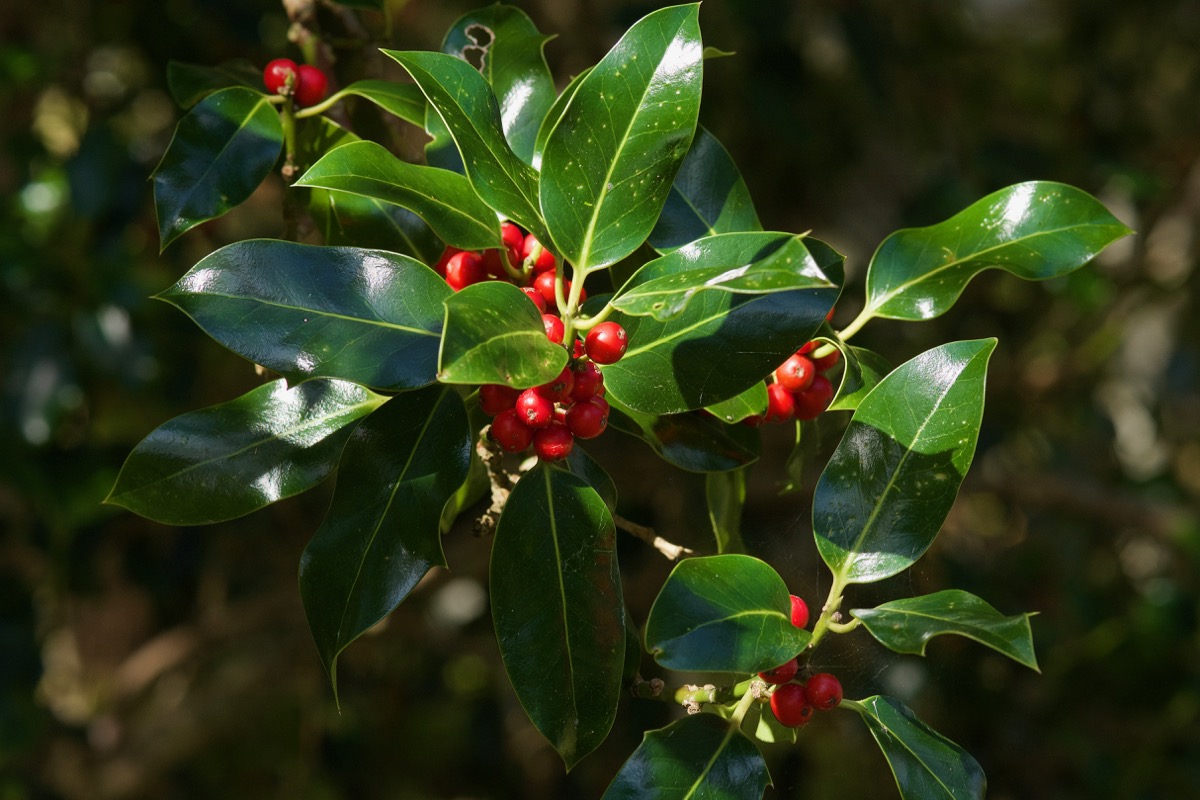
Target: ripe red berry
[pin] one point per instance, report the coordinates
(823, 691)
(554, 442)
(534, 409)
(815, 399)
(311, 85)
(544, 283)
(544, 261)
(606, 343)
(577, 350)
(790, 706)
(781, 674)
(806, 348)
(496, 397)
(780, 404)
(510, 433)
(513, 240)
(589, 380)
(447, 254)
(796, 374)
(587, 419)
(559, 389)
(492, 265)
(827, 361)
(276, 74)
(799, 612)
(536, 297)
(464, 269)
(555, 330)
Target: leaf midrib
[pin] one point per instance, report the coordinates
(315, 312)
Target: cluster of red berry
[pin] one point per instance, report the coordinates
(800, 389)
(529, 265)
(794, 703)
(307, 84)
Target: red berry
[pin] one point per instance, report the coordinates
(492, 265)
(796, 374)
(781, 674)
(559, 389)
(806, 348)
(812, 401)
(577, 350)
(535, 410)
(828, 361)
(790, 706)
(496, 397)
(544, 283)
(276, 74)
(587, 419)
(823, 691)
(510, 433)
(311, 85)
(555, 330)
(554, 442)
(536, 297)
(447, 254)
(588, 380)
(780, 404)
(754, 420)
(600, 401)
(464, 269)
(544, 261)
(799, 612)
(606, 343)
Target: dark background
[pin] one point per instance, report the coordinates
(138, 660)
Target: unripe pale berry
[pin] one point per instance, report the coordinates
(799, 612)
(510, 433)
(796, 374)
(790, 706)
(311, 85)
(534, 409)
(587, 419)
(781, 674)
(554, 442)
(815, 399)
(606, 343)
(464, 269)
(276, 73)
(496, 397)
(823, 691)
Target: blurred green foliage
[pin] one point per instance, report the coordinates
(138, 660)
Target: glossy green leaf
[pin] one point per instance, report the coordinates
(772, 731)
(737, 408)
(907, 625)
(230, 459)
(609, 162)
(558, 610)
(316, 136)
(722, 343)
(495, 335)
(692, 442)
(927, 765)
(726, 495)
(553, 115)
(464, 101)
(381, 534)
(404, 100)
(709, 196)
(701, 757)
(862, 370)
(222, 150)
(366, 316)
(739, 263)
(581, 464)
(350, 219)
(891, 481)
(191, 83)
(726, 613)
(802, 452)
(1034, 230)
(440, 150)
(444, 199)
(507, 47)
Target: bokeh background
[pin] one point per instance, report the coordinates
(143, 661)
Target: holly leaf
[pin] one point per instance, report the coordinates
(494, 334)
(862, 371)
(926, 765)
(725, 613)
(726, 495)
(609, 161)
(737, 408)
(580, 463)
(222, 150)
(352, 220)
(443, 199)
(701, 756)
(366, 316)
(230, 459)
(381, 534)
(907, 625)
(709, 196)
(191, 83)
(891, 481)
(692, 442)
(558, 610)
(404, 100)
(553, 115)
(1034, 230)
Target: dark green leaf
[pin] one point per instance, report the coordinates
(558, 610)
(222, 150)
(405, 100)
(191, 83)
(709, 196)
(891, 481)
(494, 334)
(349, 219)
(554, 115)
(927, 765)
(726, 494)
(740, 263)
(692, 442)
(444, 199)
(1033, 230)
(747, 404)
(440, 150)
(586, 467)
(907, 625)
(315, 136)
(230, 459)
(727, 613)
(701, 757)
(381, 535)
(609, 161)
(507, 47)
(465, 103)
(366, 316)
(863, 370)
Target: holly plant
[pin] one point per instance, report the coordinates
(565, 262)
